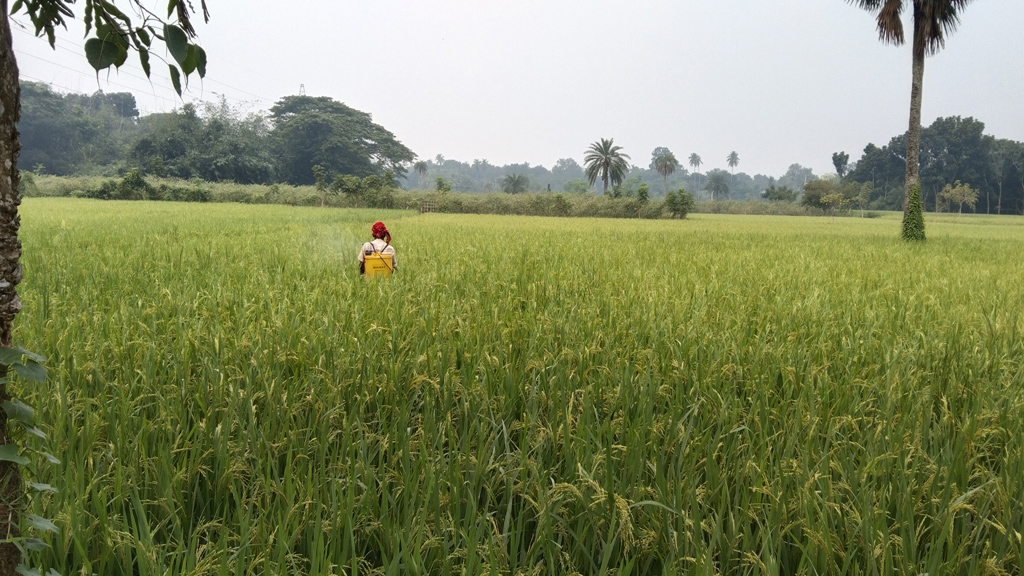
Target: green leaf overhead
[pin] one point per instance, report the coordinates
(175, 78)
(144, 60)
(188, 65)
(144, 36)
(200, 61)
(101, 54)
(177, 42)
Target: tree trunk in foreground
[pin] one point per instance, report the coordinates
(914, 131)
(10, 275)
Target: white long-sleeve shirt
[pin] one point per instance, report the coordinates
(378, 246)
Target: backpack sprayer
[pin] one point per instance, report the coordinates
(377, 263)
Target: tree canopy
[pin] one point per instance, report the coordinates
(322, 131)
(952, 148)
(718, 184)
(62, 133)
(665, 163)
(515, 184)
(219, 145)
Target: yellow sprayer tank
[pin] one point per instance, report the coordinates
(378, 264)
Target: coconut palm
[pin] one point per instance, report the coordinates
(718, 183)
(933, 20)
(605, 160)
(734, 160)
(665, 164)
(514, 183)
(695, 161)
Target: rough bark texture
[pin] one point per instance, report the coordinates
(10, 275)
(914, 131)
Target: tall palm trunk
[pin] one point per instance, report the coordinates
(914, 131)
(10, 275)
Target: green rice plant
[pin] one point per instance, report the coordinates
(715, 395)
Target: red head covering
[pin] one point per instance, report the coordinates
(379, 230)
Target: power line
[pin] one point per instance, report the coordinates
(171, 100)
(155, 95)
(60, 45)
(80, 50)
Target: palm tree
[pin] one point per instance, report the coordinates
(734, 160)
(933, 20)
(514, 183)
(605, 160)
(421, 171)
(695, 161)
(718, 183)
(666, 163)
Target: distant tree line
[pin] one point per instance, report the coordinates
(952, 149)
(103, 134)
(74, 134)
(567, 175)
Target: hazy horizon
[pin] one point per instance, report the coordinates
(534, 82)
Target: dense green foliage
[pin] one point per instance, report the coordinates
(718, 184)
(77, 134)
(775, 193)
(216, 146)
(679, 203)
(133, 186)
(952, 149)
(312, 131)
(74, 134)
(514, 184)
(913, 219)
(218, 143)
(815, 192)
(536, 397)
(354, 192)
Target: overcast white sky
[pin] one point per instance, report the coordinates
(778, 81)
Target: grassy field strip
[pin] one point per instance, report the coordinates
(720, 395)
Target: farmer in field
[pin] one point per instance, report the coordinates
(379, 251)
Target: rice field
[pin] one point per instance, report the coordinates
(720, 395)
